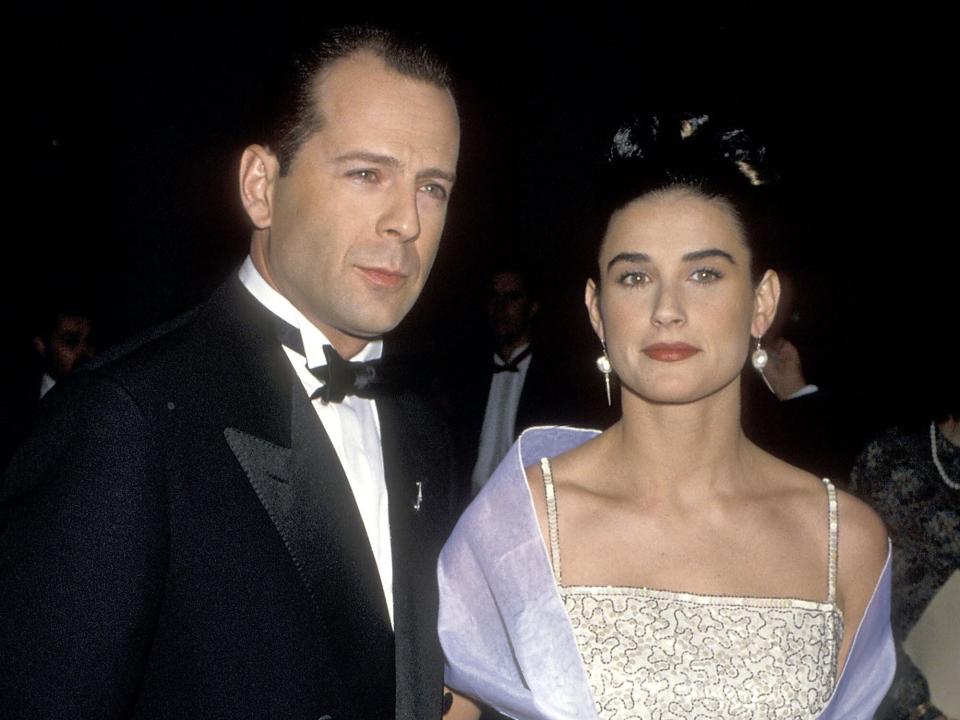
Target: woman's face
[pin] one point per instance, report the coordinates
(676, 305)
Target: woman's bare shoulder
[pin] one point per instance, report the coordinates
(567, 470)
(567, 467)
(863, 536)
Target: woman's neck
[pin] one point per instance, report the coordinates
(683, 448)
(951, 430)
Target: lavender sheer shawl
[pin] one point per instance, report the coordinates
(506, 635)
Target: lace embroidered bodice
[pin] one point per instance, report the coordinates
(661, 655)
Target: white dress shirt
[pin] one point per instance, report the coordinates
(353, 425)
(46, 384)
(500, 418)
(805, 390)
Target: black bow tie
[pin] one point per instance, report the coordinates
(345, 377)
(339, 377)
(514, 365)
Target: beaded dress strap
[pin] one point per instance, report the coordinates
(552, 526)
(832, 542)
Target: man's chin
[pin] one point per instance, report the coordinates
(370, 329)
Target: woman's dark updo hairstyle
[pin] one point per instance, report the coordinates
(675, 150)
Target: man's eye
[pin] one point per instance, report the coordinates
(634, 277)
(436, 191)
(368, 176)
(706, 275)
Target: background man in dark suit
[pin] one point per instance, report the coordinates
(491, 397)
(62, 340)
(208, 522)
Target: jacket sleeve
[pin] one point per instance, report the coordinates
(82, 551)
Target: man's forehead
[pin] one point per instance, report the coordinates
(73, 322)
(365, 73)
(364, 106)
(506, 281)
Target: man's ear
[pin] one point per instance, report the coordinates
(766, 296)
(39, 345)
(259, 170)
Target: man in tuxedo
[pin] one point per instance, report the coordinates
(62, 340)
(815, 428)
(492, 398)
(222, 519)
(62, 345)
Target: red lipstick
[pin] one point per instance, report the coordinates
(383, 277)
(670, 352)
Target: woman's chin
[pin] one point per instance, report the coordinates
(675, 393)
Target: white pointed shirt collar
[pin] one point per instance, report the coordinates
(313, 337)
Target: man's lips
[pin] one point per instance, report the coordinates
(383, 277)
(670, 352)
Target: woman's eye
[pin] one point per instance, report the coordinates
(706, 275)
(634, 277)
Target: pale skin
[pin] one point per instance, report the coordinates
(674, 496)
(951, 429)
(350, 233)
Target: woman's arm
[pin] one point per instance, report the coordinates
(862, 550)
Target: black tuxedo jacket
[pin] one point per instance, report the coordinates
(179, 540)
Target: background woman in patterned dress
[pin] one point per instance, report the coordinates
(911, 476)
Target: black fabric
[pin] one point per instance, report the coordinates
(820, 433)
(344, 377)
(178, 539)
(514, 364)
(556, 391)
(368, 379)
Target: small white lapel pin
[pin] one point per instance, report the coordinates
(416, 505)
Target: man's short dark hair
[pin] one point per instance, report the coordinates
(521, 268)
(47, 317)
(296, 115)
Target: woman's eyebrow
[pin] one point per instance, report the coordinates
(689, 257)
(712, 252)
(628, 257)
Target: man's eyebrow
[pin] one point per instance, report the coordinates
(437, 173)
(711, 252)
(627, 257)
(370, 157)
(392, 162)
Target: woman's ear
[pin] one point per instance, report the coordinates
(766, 296)
(591, 298)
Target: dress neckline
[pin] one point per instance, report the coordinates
(828, 605)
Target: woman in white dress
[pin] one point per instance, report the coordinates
(673, 569)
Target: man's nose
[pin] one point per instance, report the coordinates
(401, 216)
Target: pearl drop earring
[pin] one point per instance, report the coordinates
(603, 365)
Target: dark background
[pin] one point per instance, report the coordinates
(128, 125)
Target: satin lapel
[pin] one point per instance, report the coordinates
(413, 530)
(308, 498)
(327, 502)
